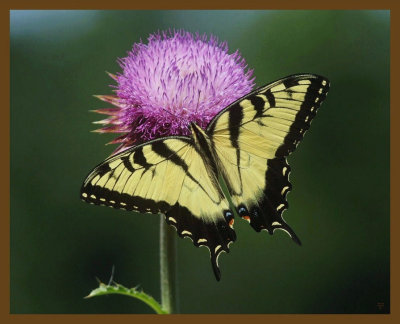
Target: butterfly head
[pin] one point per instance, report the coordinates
(200, 137)
(197, 131)
(192, 126)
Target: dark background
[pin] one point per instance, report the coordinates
(339, 205)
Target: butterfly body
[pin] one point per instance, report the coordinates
(203, 144)
(246, 145)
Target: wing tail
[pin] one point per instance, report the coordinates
(216, 236)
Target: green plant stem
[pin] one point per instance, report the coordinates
(168, 266)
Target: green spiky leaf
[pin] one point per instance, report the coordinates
(116, 288)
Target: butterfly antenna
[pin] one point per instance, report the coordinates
(198, 100)
(169, 112)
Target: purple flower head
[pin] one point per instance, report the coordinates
(175, 79)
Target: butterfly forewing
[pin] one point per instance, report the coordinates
(252, 138)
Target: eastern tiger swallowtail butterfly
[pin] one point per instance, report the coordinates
(246, 144)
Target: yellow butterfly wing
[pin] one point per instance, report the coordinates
(253, 136)
(166, 176)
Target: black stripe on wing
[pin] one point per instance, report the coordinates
(267, 213)
(315, 95)
(140, 159)
(106, 197)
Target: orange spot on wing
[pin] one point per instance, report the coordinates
(231, 222)
(246, 218)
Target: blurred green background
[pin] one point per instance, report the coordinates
(339, 205)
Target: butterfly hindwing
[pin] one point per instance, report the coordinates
(217, 235)
(252, 138)
(166, 176)
(265, 212)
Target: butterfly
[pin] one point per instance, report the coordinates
(244, 146)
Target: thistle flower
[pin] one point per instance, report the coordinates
(175, 79)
